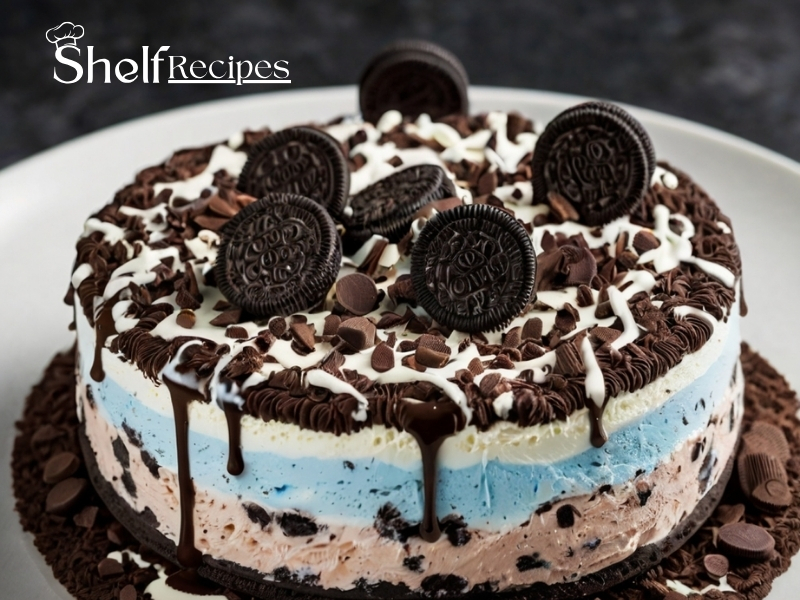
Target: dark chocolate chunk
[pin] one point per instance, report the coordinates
(716, 565)
(358, 333)
(357, 293)
(532, 329)
(303, 334)
(382, 358)
(86, 517)
(387, 206)
(592, 156)
(294, 525)
(413, 77)
(60, 466)
(237, 332)
(473, 268)
(744, 540)
(278, 256)
(128, 593)
(65, 495)
(644, 240)
(227, 317)
(299, 160)
(109, 567)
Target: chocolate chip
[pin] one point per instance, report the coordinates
(109, 567)
(487, 182)
(116, 533)
(744, 540)
(303, 334)
(716, 565)
(298, 160)
(473, 268)
(65, 495)
(727, 513)
(644, 240)
(382, 358)
(532, 329)
(228, 317)
(358, 333)
(60, 466)
(569, 171)
(128, 593)
(278, 256)
(237, 332)
(413, 77)
(331, 326)
(431, 358)
(86, 517)
(357, 293)
(186, 318)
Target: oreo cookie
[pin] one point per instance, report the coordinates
(302, 161)
(413, 77)
(594, 156)
(278, 256)
(387, 207)
(473, 268)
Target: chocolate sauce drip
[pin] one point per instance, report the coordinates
(599, 435)
(181, 396)
(189, 582)
(234, 418)
(103, 329)
(430, 423)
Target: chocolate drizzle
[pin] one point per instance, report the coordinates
(188, 555)
(430, 423)
(599, 436)
(234, 418)
(103, 328)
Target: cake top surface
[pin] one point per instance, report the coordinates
(626, 300)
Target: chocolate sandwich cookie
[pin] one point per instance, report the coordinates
(473, 268)
(413, 77)
(387, 207)
(595, 159)
(278, 256)
(298, 160)
(637, 127)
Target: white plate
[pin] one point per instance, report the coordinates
(45, 199)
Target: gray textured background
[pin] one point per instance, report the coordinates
(733, 64)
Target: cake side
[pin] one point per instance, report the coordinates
(651, 297)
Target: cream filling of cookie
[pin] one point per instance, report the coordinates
(505, 154)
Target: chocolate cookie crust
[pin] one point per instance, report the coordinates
(74, 544)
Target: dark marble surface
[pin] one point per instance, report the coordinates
(733, 64)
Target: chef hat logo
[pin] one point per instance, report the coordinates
(65, 34)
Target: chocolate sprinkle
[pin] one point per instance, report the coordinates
(473, 268)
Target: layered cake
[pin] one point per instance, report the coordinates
(413, 352)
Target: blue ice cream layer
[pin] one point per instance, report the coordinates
(488, 496)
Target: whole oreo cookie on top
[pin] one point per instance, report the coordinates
(473, 268)
(413, 77)
(278, 256)
(387, 207)
(598, 158)
(298, 160)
